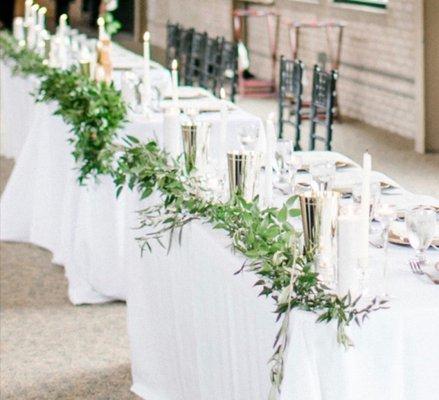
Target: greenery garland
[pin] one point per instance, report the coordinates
(94, 111)
(271, 245)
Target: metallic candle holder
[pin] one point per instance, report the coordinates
(196, 136)
(47, 47)
(243, 169)
(319, 219)
(85, 68)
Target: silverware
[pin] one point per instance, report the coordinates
(415, 265)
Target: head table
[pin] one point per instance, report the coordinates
(196, 330)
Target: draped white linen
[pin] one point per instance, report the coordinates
(44, 205)
(16, 110)
(196, 330)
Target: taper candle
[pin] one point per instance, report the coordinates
(146, 73)
(174, 75)
(101, 27)
(365, 209)
(42, 17)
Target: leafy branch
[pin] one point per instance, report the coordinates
(266, 237)
(94, 111)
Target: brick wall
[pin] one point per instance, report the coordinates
(377, 75)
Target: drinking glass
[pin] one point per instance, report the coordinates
(130, 91)
(385, 214)
(421, 227)
(323, 174)
(248, 137)
(375, 196)
(284, 149)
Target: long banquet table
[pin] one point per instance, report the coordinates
(196, 330)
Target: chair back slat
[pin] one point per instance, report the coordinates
(211, 63)
(323, 102)
(290, 97)
(173, 36)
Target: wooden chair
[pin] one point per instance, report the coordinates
(258, 87)
(212, 61)
(333, 31)
(290, 97)
(184, 53)
(227, 68)
(173, 36)
(322, 106)
(196, 60)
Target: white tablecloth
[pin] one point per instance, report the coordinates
(16, 110)
(196, 330)
(43, 204)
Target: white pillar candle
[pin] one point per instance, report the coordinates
(270, 141)
(42, 18)
(172, 132)
(365, 210)
(146, 72)
(174, 75)
(349, 247)
(101, 28)
(17, 28)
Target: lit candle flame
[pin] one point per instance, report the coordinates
(63, 17)
(35, 7)
(146, 36)
(101, 21)
(174, 65)
(42, 10)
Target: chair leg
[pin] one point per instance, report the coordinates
(312, 140)
(297, 146)
(281, 121)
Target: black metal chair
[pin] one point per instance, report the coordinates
(173, 37)
(322, 106)
(290, 97)
(227, 68)
(196, 60)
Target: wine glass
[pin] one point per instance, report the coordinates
(323, 174)
(375, 196)
(421, 226)
(248, 137)
(284, 149)
(385, 214)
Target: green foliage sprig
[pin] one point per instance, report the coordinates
(266, 237)
(94, 111)
(112, 25)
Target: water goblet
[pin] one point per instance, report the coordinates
(284, 149)
(375, 196)
(323, 174)
(385, 214)
(421, 226)
(248, 137)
